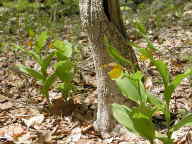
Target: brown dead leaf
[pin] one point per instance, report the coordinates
(75, 135)
(87, 141)
(45, 137)
(25, 112)
(6, 105)
(34, 121)
(12, 132)
(187, 139)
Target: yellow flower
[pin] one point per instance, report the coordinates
(116, 71)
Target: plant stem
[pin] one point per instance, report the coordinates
(151, 142)
(46, 95)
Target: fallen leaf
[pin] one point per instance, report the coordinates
(34, 121)
(6, 105)
(12, 132)
(87, 141)
(187, 139)
(75, 135)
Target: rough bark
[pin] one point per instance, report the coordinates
(102, 19)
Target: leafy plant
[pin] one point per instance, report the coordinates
(138, 119)
(62, 68)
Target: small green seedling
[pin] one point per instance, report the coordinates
(62, 66)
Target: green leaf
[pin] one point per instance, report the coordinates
(137, 76)
(140, 27)
(49, 81)
(163, 70)
(136, 80)
(150, 46)
(31, 72)
(68, 49)
(143, 125)
(186, 121)
(145, 52)
(116, 55)
(17, 47)
(128, 89)
(157, 102)
(174, 83)
(41, 41)
(64, 49)
(121, 114)
(46, 61)
(35, 56)
(65, 87)
(142, 91)
(64, 70)
(61, 56)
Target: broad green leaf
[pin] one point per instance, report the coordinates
(143, 125)
(121, 114)
(142, 91)
(128, 89)
(64, 70)
(49, 81)
(60, 55)
(116, 55)
(174, 83)
(35, 56)
(186, 121)
(136, 80)
(68, 49)
(145, 52)
(63, 47)
(137, 76)
(157, 102)
(46, 61)
(31, 72)
(41, 41)
(145, 109)
(163, 70)
(65, 87)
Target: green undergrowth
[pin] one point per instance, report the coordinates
(139, 119)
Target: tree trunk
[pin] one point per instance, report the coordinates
(101, 18)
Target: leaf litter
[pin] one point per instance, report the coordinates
(24, 118)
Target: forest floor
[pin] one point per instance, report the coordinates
(24, 117)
